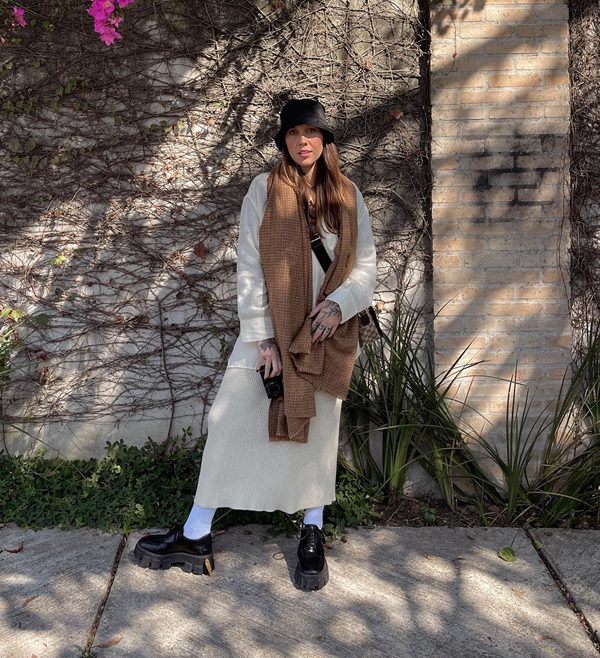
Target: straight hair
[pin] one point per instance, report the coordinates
(329, 197)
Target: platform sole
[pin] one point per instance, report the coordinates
(311, 582)
(196, 564)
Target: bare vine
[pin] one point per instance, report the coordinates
(585, 164)
(125, 169)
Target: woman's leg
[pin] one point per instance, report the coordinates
(314, 516)
(198, 522)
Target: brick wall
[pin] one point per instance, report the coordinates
(500, 96)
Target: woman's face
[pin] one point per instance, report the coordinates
(305, 145)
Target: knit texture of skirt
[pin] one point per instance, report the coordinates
(242, 469)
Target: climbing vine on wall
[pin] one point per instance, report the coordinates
(585, 161)
(125, 167)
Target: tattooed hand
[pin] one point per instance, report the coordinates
(327, 317)
(269, 357)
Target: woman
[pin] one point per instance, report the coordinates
(298, 321)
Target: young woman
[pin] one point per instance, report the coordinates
(299, 323)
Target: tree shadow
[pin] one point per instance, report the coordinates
(134, 180)
(499, 156)
(392, 592)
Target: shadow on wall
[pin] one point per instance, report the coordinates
(126, 170)
(500, 77)
(127, 167)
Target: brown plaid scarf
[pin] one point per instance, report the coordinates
(286, 259)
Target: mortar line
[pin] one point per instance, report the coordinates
(87, 650)
(564, 590)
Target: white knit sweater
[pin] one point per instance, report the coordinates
(354, 295)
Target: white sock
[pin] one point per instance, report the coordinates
(198, 522)
(314, 516)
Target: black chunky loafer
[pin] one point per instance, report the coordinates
(173, 549)
(312, 572)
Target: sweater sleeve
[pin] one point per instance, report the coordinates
(252, 298)
(356, 292)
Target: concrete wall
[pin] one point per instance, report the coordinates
(125, 168)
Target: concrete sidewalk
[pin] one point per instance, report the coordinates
(394, 592)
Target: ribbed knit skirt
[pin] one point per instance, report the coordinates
(242, 469)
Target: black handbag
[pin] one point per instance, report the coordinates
(369, 329)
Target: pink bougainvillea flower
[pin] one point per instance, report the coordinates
(109, 35)
(19, 14)
(101, 10)
(105, 22)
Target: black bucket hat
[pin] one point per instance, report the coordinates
(302, 110)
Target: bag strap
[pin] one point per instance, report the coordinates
(316, 244)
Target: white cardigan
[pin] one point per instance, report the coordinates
(354, 295)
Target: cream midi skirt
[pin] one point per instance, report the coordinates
(242, 469)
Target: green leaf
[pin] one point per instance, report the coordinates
(41, 320)
(507, 554)
(58, 260)
(428, 514)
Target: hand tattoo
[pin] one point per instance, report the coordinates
(266, 344)
(331, 309)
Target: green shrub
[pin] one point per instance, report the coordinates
(133, 488)
(398, 391)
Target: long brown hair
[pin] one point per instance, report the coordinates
(327, 187)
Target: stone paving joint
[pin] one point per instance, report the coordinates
(87, 651)
(564, 590)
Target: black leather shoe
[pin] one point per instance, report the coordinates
(174, 549)
(311, 572)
